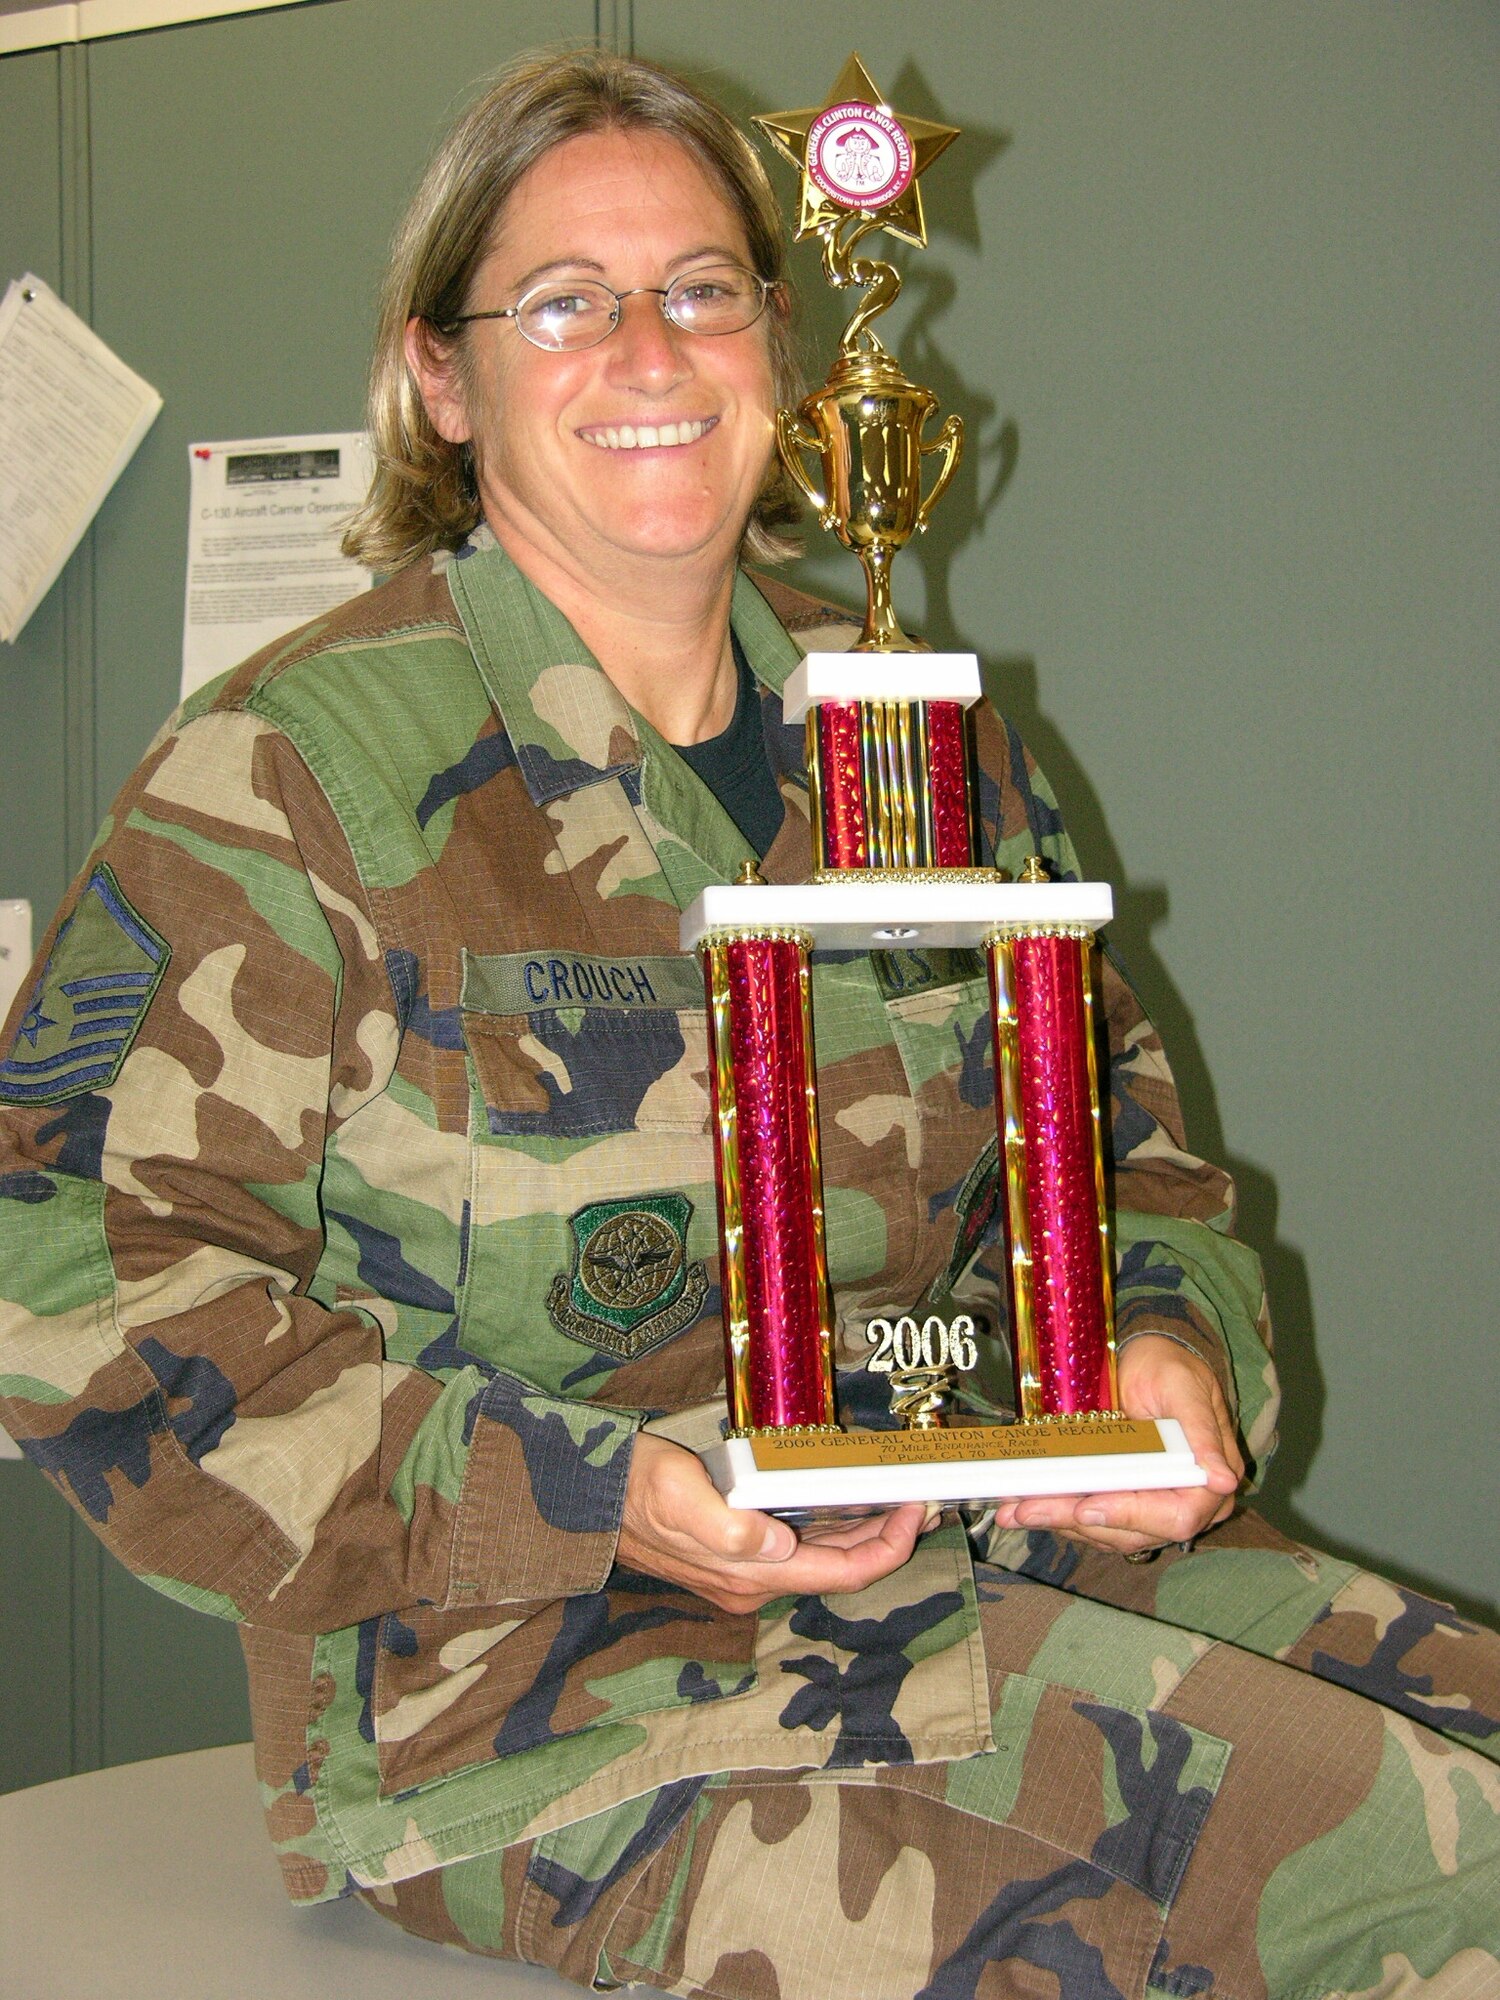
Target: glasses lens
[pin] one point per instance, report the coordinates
(577, 314)
(721, 299)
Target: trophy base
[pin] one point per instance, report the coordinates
(815, 1477)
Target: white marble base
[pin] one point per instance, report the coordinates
(880, 677)
(862, 1488)
(894, 916)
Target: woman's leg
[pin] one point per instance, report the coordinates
(1162, 1814)
(1254, 1586)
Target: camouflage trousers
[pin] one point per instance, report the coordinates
(1251, 1773)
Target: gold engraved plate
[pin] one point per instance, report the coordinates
(1060, 1437)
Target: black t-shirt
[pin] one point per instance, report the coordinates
(735, 767)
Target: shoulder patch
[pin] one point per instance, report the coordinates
(89, 1001)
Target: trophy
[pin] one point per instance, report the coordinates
(894, 868)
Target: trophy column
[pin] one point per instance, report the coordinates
(773, 1265)
(1052, 1160)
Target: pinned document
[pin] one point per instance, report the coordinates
(266, 519)
(71, 415)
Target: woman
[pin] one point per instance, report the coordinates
(353, 1260)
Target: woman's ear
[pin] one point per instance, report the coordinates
(432, 361)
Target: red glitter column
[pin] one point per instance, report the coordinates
(948, 777)
(773, 1267)
(844, 839)
(1053, 1177)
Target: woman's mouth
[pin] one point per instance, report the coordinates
(647, 437)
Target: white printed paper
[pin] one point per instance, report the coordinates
(15, 963)
(267, 516)
(71, 415)
(15, 949)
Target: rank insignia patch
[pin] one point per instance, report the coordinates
(631, 1286)
(87, 1007)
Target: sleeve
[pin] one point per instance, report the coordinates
(1180, 1271)
(211, 1004)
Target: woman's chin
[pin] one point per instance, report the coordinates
(656, 537)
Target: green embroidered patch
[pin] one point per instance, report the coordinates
(89, 1002)
(631, 1286)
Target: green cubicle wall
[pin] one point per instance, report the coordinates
(1210, 283)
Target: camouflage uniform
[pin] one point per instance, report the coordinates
(356, 1209)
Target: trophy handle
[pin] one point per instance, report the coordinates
(950, 442)
(794, 437)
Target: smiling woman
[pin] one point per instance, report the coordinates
(368, 1292)
(583, 338)
(424, 495)
(626, 466)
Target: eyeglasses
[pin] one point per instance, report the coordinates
(580, 312)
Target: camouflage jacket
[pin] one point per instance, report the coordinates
(356, 1208)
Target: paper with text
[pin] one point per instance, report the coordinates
(71, 415)
(266, 517)
(15, 948)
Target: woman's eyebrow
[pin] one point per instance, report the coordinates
(705, 250)
(529, 278)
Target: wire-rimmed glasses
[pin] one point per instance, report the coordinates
(563, 315)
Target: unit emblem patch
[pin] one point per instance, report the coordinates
(87, 1007)
(631, 1286)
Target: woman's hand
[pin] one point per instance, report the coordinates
(676, 1526)
(1158, 1378)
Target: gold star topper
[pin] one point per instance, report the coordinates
(856, 155)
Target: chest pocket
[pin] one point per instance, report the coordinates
(573, 1048)
(593, 1226)
(581, 1072)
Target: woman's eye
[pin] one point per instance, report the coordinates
(563, 305)
(713, 290)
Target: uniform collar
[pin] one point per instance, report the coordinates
(568, 723)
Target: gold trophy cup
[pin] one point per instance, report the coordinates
(866, 425)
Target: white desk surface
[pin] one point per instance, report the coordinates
(155, 1881)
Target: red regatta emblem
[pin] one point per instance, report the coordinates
(859, 156)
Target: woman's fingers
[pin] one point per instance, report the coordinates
(677, 1526)
(1158, 1378)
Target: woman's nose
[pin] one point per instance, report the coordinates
(645, 346)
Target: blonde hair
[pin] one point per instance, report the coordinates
(423, 495)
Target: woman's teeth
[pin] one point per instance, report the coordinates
(632, 437)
